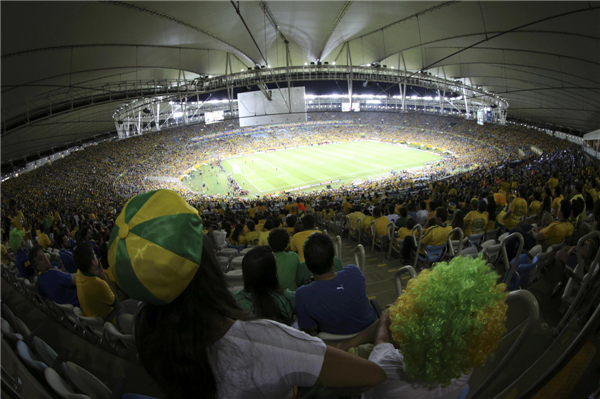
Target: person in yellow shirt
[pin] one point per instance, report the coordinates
(42, 237)
(434, 235)
(558, 197)
(297, 242)
(536, 204)
(381, 223)
(94, 291)
(475, 221)
(553, 182)
(347, 206)
(261, 207)
(354, 216)
(252, 236)
(252, 211)
(366, 222)
(404, 232)
(516, 211)
(237, 237)
(557, 231)
(264, 235)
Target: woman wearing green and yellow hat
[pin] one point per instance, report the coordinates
(191, 335)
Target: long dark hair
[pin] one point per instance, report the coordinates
(236, 232)
(174, 341)
(259, 269)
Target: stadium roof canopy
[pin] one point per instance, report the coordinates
(542, 57)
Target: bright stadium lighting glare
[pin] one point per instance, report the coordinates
(306, 63)
(241, 70)
(209, 76)
(392, 67)
(333, 63)
(268, 66)
(177, 114)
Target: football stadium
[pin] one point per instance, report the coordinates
(341, 199)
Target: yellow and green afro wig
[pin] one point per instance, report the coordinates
(449, 320)
(15, 239)
(155, 247)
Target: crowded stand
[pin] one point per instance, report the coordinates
(249, 292)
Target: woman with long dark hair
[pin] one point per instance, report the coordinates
(491, 212)
(191, 335)
(262, 293)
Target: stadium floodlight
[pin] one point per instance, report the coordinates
(241, 70)
(306, 63)
(268, 66)
(209, 76)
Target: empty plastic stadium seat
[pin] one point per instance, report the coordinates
(236, 263)
(86, 382)
(234, 278)
(30, 358)
(60, 386)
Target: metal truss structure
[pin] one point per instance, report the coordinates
(148, 101)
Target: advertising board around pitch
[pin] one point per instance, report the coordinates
(255, 109)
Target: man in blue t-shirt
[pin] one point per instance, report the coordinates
(336, 302)
(53, 283)
(66, 255)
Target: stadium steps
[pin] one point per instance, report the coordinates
(105, 366)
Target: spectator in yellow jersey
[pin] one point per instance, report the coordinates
(264, 235)
(252, 236)
(536, 204)
(557, 231)
(475, 221)
(355, 216)
(93, 288)
(558, 197)
(553, 182)
(381, 222)
(42, 237)
(516, 211)
(434, 235)
(297, 243)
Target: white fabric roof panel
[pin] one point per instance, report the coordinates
(548, 69)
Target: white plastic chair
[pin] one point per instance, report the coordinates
(30, 358)
(59, 385)
(114, 336)
(228, 252)
(94, 325)
(245, 251)
(223, 263)
(234, 278)
(236, 263)
(11, 335)
(125, 322)
(87, 382)
(68, 312)
(46, 353)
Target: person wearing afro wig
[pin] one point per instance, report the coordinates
(448, 321)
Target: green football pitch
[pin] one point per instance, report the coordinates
(299, 167)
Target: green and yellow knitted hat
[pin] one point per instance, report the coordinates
(156, 246)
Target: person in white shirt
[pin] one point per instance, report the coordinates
(422, 213)
(220, 236)
(194, 339)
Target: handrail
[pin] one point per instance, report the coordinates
(585, 281)
(373, 232)
(419, 228)
(398, 277)
(360, 262)
(338, 246)
(505, 255)
(460, 241)
(533, 311)
(391, 239)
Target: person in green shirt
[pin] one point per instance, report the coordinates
(262, 294)
(287, 262)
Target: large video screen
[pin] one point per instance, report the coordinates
(256, 109)
(347, 108)
(480, 117)
(213, 117)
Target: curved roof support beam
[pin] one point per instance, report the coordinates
(434, 8)
(183, 23)
(28, 84)
(512, 30)
(75, 46)
(337, 20)
(525, 51)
